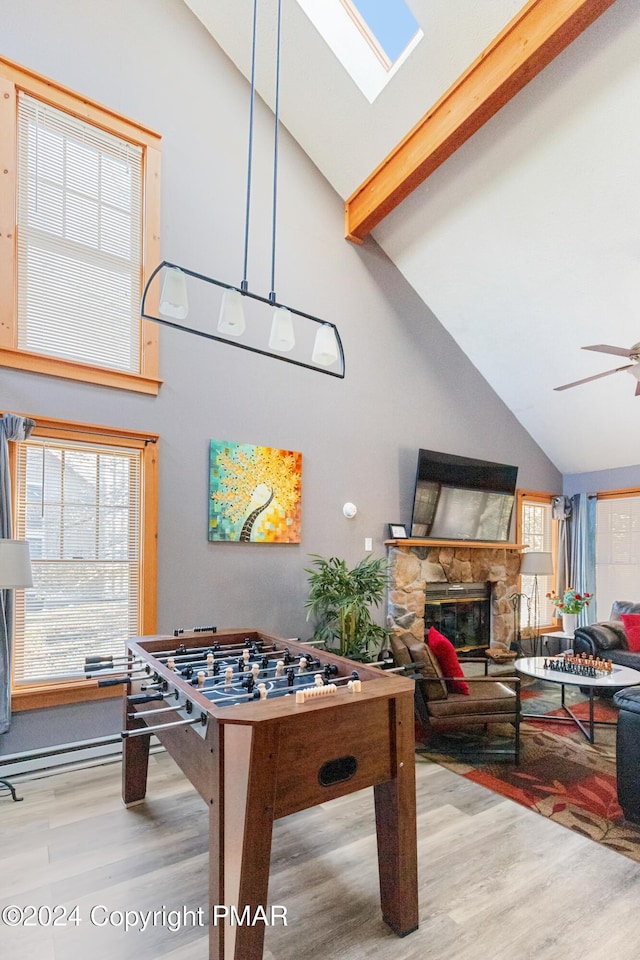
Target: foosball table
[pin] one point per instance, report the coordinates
(265, 727)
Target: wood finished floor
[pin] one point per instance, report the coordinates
(497, 882)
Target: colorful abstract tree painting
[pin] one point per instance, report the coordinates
(255, 493)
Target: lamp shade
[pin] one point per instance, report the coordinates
(282, 337)
(535, 564)
(231, 320)
(325, 348)
(173, 297)
(15, 564)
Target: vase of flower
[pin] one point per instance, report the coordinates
(569, 606)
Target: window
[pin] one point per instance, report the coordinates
(390, 26)
(370, 39)
(86, 503)
(84, 185)
(617, 549)
(535, 531)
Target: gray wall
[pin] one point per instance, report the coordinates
(407, 383)
(621, 478)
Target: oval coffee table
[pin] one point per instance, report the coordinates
(618, 678)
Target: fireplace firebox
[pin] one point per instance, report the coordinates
(460, 611)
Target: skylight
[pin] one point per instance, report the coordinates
(391, 23)
(370, 38)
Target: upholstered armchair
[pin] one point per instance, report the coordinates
(440, 706)
(608, 639)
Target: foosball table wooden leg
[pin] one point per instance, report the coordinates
(135, 757)
(135, 764)
(241, 828)
(396, 829)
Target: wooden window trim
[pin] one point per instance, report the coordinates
(56, 693)
(14, 78)
(538, 496)
(618, 494)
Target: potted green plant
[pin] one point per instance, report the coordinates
(340, 602)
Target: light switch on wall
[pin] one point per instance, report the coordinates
(368, 543)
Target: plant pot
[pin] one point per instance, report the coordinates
(569, 623)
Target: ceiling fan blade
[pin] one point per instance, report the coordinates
(597, 376)
(606, 348)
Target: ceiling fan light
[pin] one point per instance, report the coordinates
(282, 337)
(325, 348)
(635, 371)
(231, 319)
(174, 302)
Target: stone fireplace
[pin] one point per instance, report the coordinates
(414, 563)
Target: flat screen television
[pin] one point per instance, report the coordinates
(459, 498)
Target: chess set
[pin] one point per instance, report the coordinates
(579, 665)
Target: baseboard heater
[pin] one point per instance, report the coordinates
(63, 754)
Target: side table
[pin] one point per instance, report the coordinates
(555, 643)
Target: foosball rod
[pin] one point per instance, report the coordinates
(121, 678)
(240, 646)
(263, 672)
(109, 658)
(148, 713)
(218, 656)
(202, 720)
(215, 688)
(135, 668)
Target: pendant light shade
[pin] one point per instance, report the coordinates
(282, 337)
(231, 320)
(173, 297)
(325, 348)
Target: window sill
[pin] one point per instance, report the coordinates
(70, 370)
(58, 694)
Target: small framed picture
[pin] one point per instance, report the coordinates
(397, 531)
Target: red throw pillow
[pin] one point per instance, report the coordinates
(448, 659)
(631, 623)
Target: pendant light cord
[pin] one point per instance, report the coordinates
(244, 286)
(272, 294)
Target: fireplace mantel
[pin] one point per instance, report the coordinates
(456, 544)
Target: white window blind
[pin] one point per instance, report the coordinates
(78, 506)
(617, 552)
(536, 533)
(79, 239)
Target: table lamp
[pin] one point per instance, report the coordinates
(15, 571)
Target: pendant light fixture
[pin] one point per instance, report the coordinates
(307, 340)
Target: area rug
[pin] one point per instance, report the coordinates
(561, 775)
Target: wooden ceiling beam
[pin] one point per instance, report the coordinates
(535, 36)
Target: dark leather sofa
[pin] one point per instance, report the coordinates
(628, 752)
(608, 639)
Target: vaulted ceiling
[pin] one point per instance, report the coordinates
(525, 242)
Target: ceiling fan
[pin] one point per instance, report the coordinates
(633, 354)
